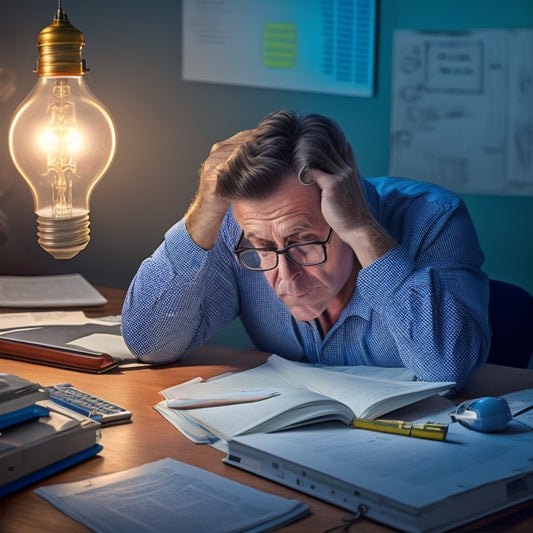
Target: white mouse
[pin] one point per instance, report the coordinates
(488, 414)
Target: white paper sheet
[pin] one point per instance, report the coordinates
(68, 290)
(13, 321)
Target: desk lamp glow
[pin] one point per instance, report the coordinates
(62, 140)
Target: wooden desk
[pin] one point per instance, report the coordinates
(150, 437)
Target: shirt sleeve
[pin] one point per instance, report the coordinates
(433, 297)
(180, 296)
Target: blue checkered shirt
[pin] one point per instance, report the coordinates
(423, 305)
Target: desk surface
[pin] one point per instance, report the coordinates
(150, 437)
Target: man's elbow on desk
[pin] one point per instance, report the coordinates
(157, 357)
(147, 352)
(464, 373)
(459, 364)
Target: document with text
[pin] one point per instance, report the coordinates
(168, 496)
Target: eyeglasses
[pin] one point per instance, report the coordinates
(301, 254)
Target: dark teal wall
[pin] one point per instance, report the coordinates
(504, 224)
(166, 128)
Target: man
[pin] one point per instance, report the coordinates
(319, 264)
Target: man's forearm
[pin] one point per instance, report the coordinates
(203, 222)
(370, 242)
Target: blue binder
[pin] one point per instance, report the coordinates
(50, 470)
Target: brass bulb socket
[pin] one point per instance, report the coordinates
(60, 45)
(63, 238)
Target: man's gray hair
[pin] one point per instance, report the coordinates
(283, 143)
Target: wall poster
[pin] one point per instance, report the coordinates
(324, 46)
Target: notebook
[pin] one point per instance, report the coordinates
(57, 345)
(414, 485)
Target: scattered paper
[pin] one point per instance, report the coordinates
(67, 290)
(167, 496)
(19, 321)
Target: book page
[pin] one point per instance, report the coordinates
(373, 393)
(292, 406)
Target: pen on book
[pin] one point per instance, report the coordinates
(195, 403)
(428, 430)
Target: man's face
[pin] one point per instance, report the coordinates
(293, 215)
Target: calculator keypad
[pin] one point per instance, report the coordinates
(100, 410)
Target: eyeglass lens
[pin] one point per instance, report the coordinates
(299, 254)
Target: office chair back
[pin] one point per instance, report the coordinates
(511, 317)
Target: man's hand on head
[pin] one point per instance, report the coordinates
(345, 209)
(206, 212)
(343, 202)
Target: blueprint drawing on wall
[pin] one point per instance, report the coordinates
(462, 110)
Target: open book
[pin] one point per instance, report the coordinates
(306, 394)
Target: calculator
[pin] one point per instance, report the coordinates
(102, 411)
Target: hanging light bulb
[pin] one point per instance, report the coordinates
(62, 140)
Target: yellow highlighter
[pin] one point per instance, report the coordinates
(428, 430)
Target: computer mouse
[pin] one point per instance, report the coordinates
(487, 414)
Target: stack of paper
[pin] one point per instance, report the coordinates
(168, 496)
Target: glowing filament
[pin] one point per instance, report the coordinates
(60, 142)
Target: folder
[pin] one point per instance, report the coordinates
(49, 345)
(69, 359)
